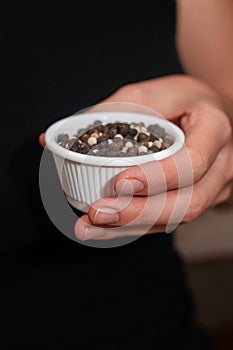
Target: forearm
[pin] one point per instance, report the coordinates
(204, 40)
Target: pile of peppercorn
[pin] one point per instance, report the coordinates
(117, 139)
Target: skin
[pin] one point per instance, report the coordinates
(204, 43)
(201, 103)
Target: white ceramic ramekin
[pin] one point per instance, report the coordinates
(86, 178)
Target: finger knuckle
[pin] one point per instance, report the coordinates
(231, 171)
(227, 194)
(217, 117)
(224, 196)
(199, 164)
(223, 121)
(226, 126)
(225, 162)
(196, 208)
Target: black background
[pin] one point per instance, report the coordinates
(59, 59)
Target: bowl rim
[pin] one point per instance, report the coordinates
(54, 129)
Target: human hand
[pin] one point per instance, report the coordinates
(185, 185)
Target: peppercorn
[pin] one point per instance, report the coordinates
(117, 139)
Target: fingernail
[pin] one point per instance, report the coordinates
(93, 232)
(105, 215)
(129, 186)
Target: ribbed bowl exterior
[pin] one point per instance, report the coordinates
(84, 183)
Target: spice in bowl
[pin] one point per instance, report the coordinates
(117, 139)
